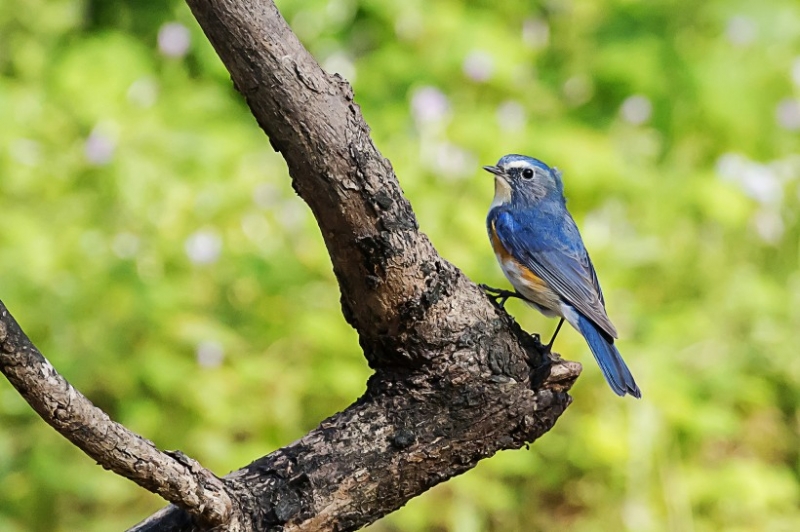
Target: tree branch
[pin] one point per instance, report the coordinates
(175, 477)
(456, 379)
(402, 438)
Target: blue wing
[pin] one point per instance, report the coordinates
(549, 244)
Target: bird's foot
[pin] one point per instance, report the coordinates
(498, 295)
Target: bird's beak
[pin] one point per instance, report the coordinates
(496, 170)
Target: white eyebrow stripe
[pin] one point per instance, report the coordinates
(523, 164)
(519, 164)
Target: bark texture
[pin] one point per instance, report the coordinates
(453, 373)
(174, 476)
(456, 380)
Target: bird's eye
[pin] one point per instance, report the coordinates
(527, 173)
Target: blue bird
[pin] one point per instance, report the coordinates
(541, 253)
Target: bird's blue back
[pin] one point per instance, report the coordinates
(545, 238)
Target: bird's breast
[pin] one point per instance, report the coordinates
(530, 285)
(499, 249)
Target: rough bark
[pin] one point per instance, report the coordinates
(176, 477)
(455, 378)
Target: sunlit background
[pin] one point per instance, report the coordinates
(152, 247)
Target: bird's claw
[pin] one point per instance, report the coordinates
(498, 295)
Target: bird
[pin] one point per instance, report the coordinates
(541, 253)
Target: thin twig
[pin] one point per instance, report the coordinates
(175, 477)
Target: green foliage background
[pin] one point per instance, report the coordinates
(153, 249)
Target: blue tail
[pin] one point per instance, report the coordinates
(608, 358)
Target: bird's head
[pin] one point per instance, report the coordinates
(522, 179)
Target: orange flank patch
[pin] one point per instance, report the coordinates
(499, 248)
(531, 279)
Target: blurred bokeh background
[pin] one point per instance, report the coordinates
(151, 246)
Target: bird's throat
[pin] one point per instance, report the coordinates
(502, 192)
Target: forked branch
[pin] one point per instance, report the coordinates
(456, 380)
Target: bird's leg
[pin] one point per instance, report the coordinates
(553, 339)
(498, 295)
